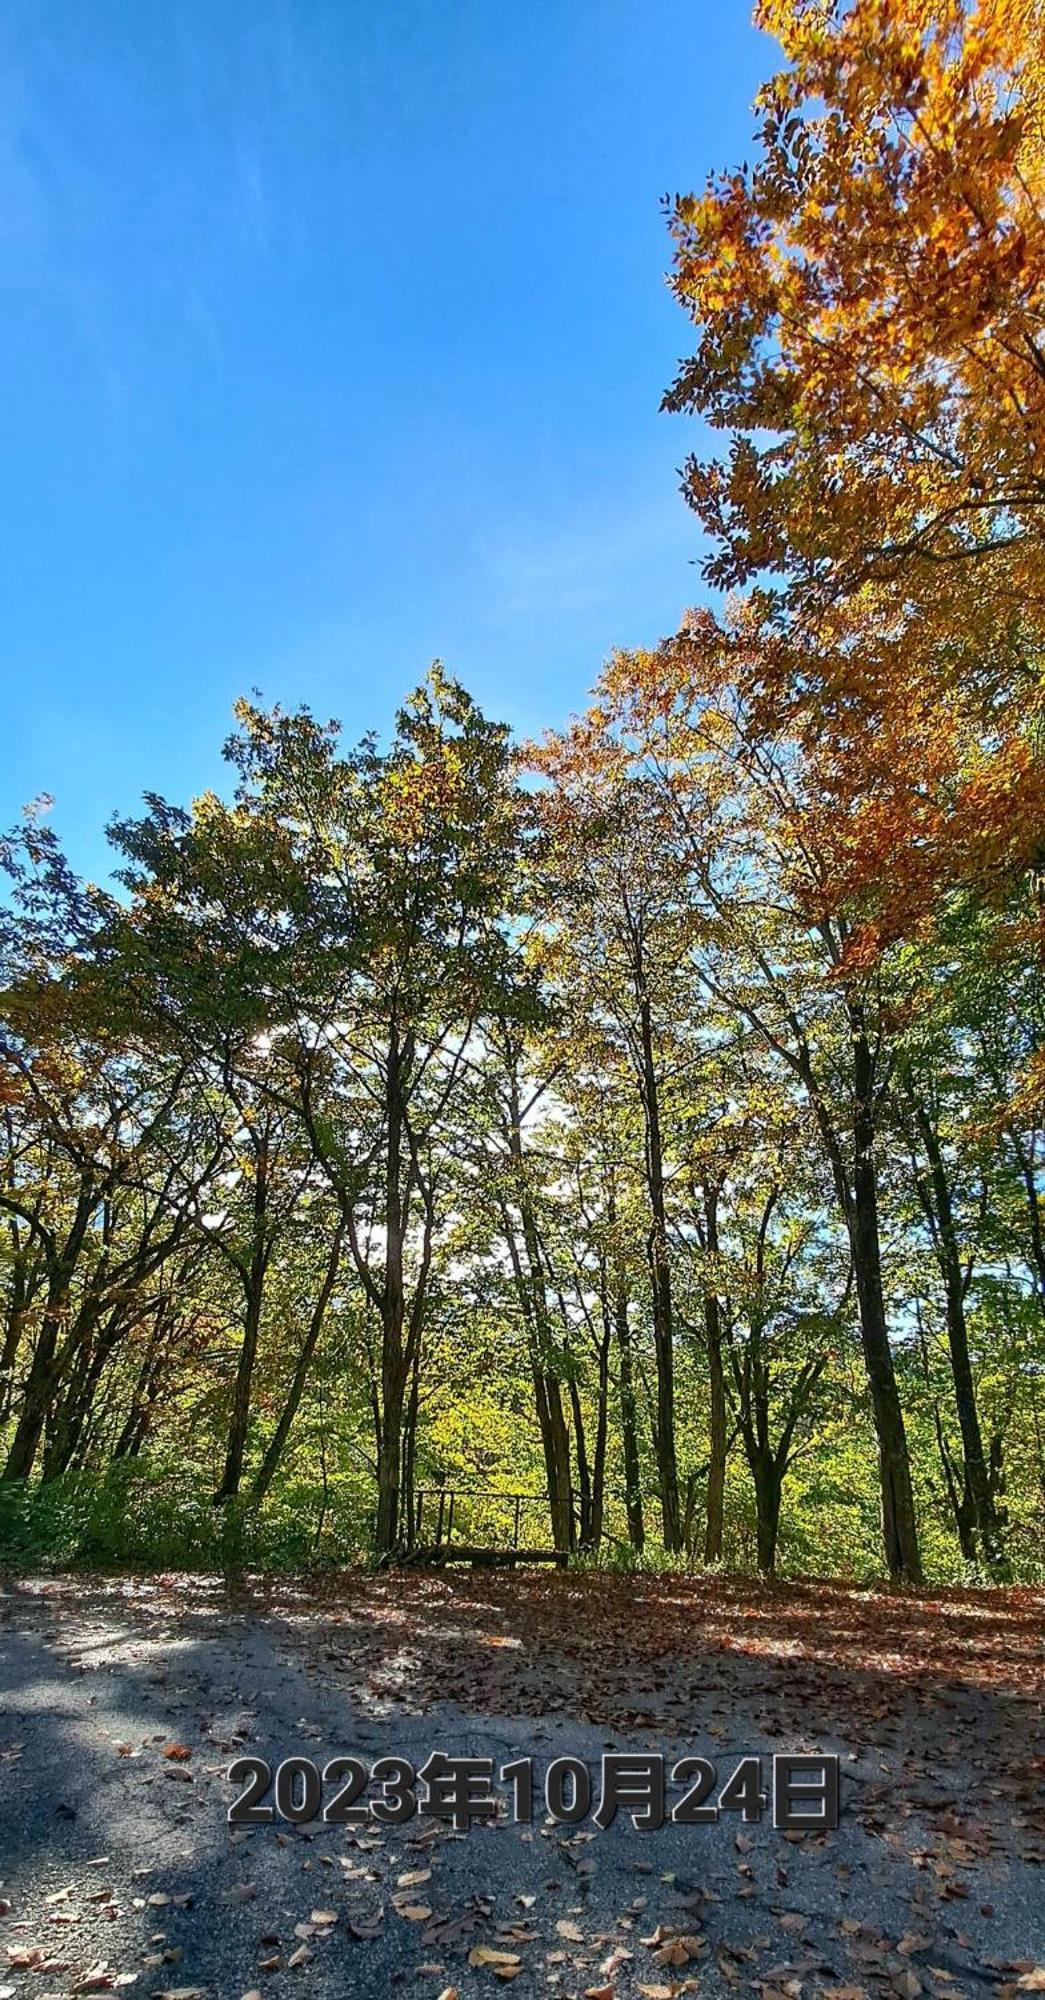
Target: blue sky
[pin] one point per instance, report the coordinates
(332, 336)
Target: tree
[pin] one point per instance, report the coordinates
(771, 946)
(404, 859)
(87, 1189)
(616, 923)
(869, 296)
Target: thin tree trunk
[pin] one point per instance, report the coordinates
(717, 1396)
(42, 1383)
(410, 1445)
(768, 1483)
(18, 1310)
(389, 1462)
(277, 1442)
(135, 1423)
(936, 1191)
(252, 1277)
(239, 1419)
(584, 1496)
(899, 1528)
(533, 1296)
(660, 1285)
(72, 1412)
(858, 1200)
(629, 1428)
(598, 1469)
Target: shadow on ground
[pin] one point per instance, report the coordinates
(119, 1865)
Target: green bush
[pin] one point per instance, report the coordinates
(135, 1517)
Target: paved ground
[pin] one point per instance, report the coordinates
(117, 1866)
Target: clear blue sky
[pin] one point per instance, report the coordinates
(331, 340)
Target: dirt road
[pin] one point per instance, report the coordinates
(123, 1702)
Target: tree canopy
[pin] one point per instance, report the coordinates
(647, 1122)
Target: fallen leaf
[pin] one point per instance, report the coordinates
(673, 1953)
(907, 1984)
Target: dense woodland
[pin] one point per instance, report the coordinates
(651, 1119)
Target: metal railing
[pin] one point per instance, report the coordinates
(443, 1514)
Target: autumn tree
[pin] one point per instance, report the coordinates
(770, 1263)
(869, 296)
(90, 1123)
(617, 929)
(405, 857)
(771, 946)
(201, 965)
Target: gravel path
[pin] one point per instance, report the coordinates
(119, 1869)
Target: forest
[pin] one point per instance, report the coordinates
(648, 1120)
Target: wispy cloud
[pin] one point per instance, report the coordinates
(579, 565)
(142, 167)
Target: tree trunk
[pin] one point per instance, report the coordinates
(660, 1285)
(533, 1297)
(401, 1330)
(598, 1469)
(266, 1470)
(768, 1484)
(129, 1441)
(18, 1310)
(389, 1462)
(858, 1201)
(239, 1420)
(717, 1389)
(45, 1370)
(71, 1415)
(555, 1440)
(410, 1446)
(41, 1384)
(584, 1494)
(252, 1276)
(937, 1194)
(629, 1428)
(899, 1526)
(547, 1396)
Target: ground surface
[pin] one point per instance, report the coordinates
(119, 1870)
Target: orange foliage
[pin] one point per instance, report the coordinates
(870, 298)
